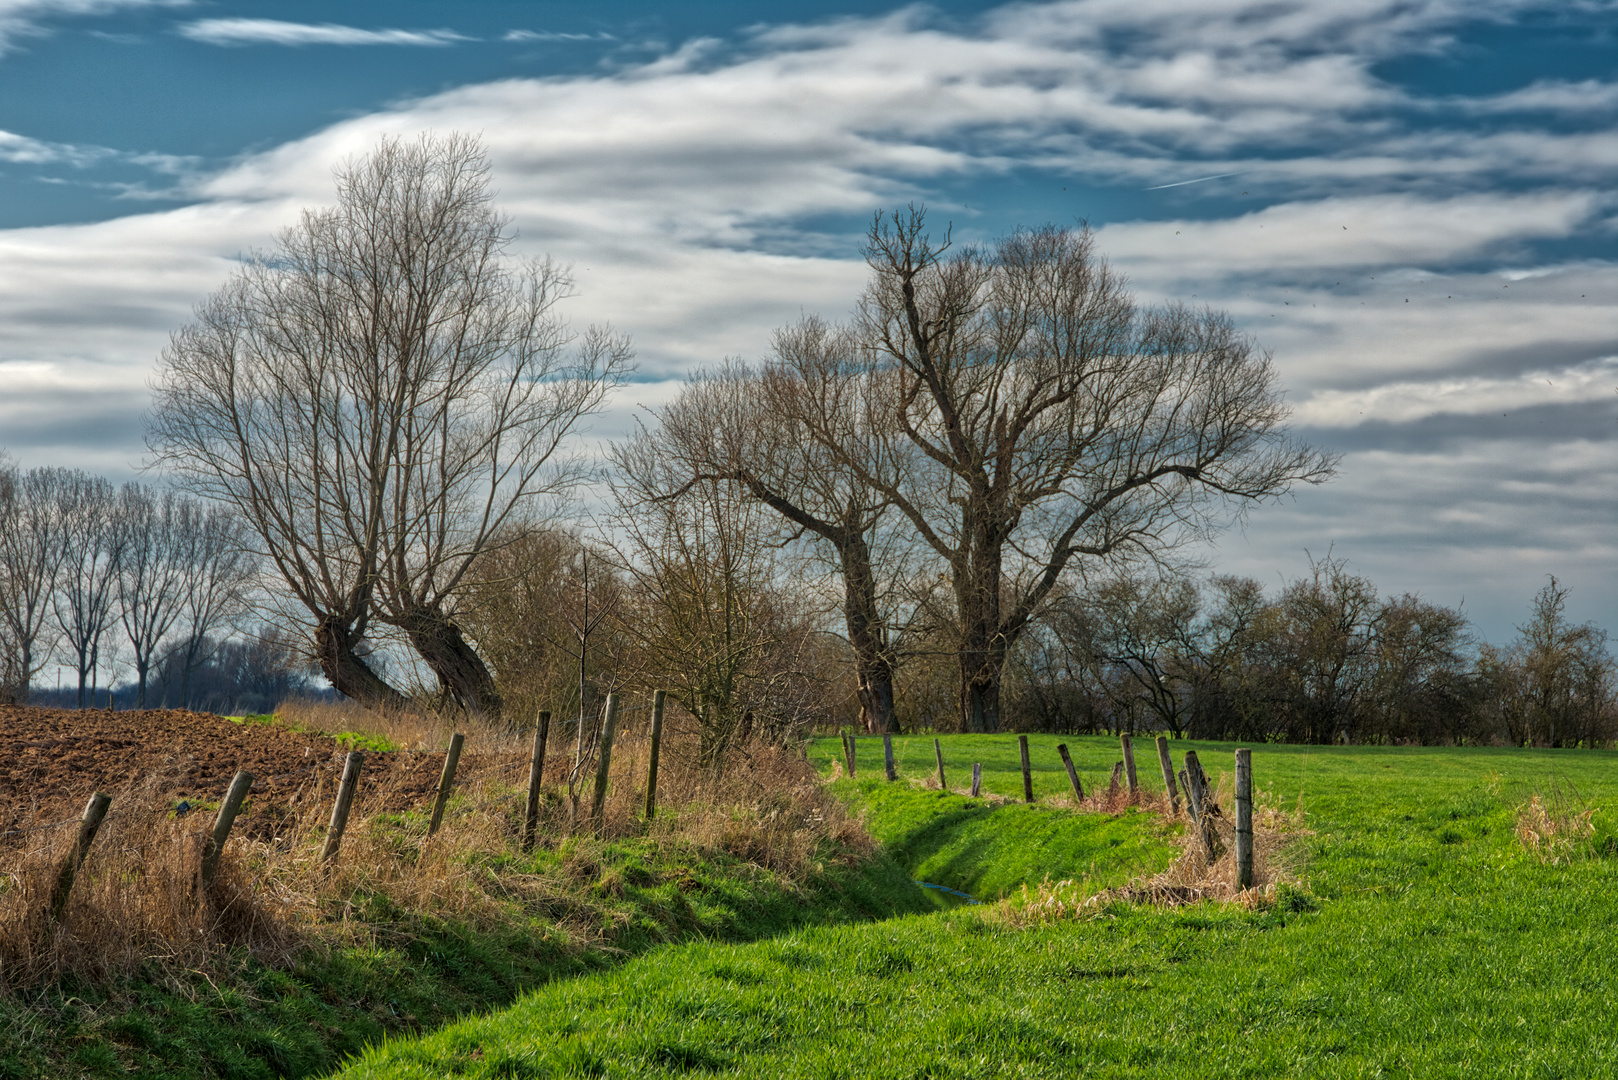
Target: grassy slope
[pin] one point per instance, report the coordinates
(259, 1022)
(1440, 948)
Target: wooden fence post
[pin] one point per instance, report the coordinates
(536, 776)
(1072, 773)
(1199, 781)
(1167, 765)
(848, 752)
(89, 823)
(1027, 770)
(977, 778)
(234, 795)
(1129, 764)
(887, 755)
(938, 751)
(598, 805)
(446, 780)
(659, 698)
(1244, 819)
(345, 799)
(1196, 789)
(1116, 784)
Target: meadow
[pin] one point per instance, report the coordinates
(1449, 912)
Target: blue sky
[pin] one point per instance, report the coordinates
(1411, 202)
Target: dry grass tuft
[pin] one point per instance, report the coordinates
(1556, 828)
(1193, 877)
(138, 902)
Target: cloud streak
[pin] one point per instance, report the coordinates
(275, 32)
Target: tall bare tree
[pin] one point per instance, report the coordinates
(1057, 420)
(154, 572)
(753, 428)
(33, 538)
(221, 568)
(377, 397)
(93, 550)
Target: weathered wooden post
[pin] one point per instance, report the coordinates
(659, 699)
(1244, 819)
(446, 780)
(1072, 773)
(1167, 764)
(1129, 763)
(536, 777)
(848, 753)
(1027, 770)
(234, 795)
(977, 778)
(345, 799)
(89, 823)
(1196, 788)
(598, 806)
(887, 756)
(938, 750)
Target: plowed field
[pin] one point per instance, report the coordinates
(54, 758)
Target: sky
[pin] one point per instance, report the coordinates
(1409, 203)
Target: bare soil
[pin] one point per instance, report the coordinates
(51, 760)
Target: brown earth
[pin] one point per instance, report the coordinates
(53, 759)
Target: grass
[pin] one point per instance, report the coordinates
(1428, 937)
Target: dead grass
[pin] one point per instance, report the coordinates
(1193, 877)
(1557, 828)
(138, 902)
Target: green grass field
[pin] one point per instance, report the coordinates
(1429, 942)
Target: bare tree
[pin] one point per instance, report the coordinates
(154, 572)
(1057, 420)
(213, 546)
(32, 546)
(753, 428)
(377, 397)
(93, 548)
(712, 625)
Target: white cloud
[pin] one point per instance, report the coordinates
(1549, 95)
(29, 18)
(1402, 402)
(553, 35)
(276, 32)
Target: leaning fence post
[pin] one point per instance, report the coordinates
(1072, 773)
(938, 751)
(89, 822)
(659, 698)
(1197, 782)
(446, 780)
(1129, 763)
(345, 799)
(1244, 819)
(887, 755)
(536, 776)
(1196, 788)
(977, 778)
(234, 795)
(598, 806)
(1167, 764)
(848, 752)
(1027, 771)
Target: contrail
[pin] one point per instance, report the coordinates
(1198, 180)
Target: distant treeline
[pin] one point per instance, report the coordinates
(132, 585)
(1324, 660)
